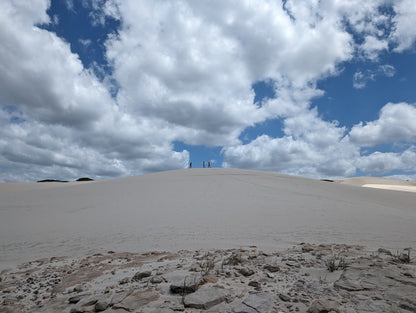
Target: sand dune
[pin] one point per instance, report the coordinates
(198, 208)
(380, 183)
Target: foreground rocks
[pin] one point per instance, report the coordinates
(307, 278)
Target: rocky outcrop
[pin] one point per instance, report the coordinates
(246, 280)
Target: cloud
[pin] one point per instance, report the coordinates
(85, 42)
(59, 118)
(360, 78)
(184, 71)
(379, 163)
(396, 123)
(404, 34)
(311, 147)
(372, 47)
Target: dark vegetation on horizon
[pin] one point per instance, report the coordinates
(63, 181)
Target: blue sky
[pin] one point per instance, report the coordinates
(108, 88)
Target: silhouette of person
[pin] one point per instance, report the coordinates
(209, 164)
(190, 165)
(203, 164)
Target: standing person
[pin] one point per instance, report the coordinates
(209, 164)
(190, 165)
(203, 164)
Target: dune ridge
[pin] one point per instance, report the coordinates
(197, 208)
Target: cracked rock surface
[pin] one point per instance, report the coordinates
(307, 278)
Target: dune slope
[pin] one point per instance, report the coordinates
(198, 208)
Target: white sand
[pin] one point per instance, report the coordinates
(198, 208)
(391, 187)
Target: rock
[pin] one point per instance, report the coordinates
(9, 300)
(284, 298)
(255, 303)
(307, 248)
(385, 251)
(349, 285)
(245, 271)
(137, 299)
(118, 297)
(156, 280)
(185, 285)
(101, 305)
(124, 281)
(74, 299)
(272, 268)
(140, 275)
(209, 279)
(204, 298)
(323, 306)
(88, 301)
(255, 284)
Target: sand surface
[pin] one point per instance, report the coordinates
(380, 183)
(198, 208)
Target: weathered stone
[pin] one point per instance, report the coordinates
(120, 296)
(137, 299)
(140, 275)
(284, 297)
(254, 283)
(272, 268)
(74, 300)
(88, 301)
(254, 304)
(385, 251)
(124, 281)
(101, 305)
(323, 306)
(245, 271)
(156, 280)
(10, 300)
(307, 248)
(204, 298)
(209, 279)
(349, 285)
(185, 285)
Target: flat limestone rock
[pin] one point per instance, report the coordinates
(255, 303)
(205, 298)
(137, 299)
(323, 306)
(187, 284)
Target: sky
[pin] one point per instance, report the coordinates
(115, 88)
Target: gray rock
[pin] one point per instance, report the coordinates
(120, 296)
(156, 280)
(125, 280)
(185, 285)
(101, 305)
(323, 306)
(255, 303)
(137, 299)
(272, 268)
(385, 251)
(74, 300)
(307, 248)
(204, 298)
(284, 298)
(140, 275)
(245, 271)
(255, 284)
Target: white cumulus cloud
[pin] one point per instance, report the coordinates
(395, 123)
